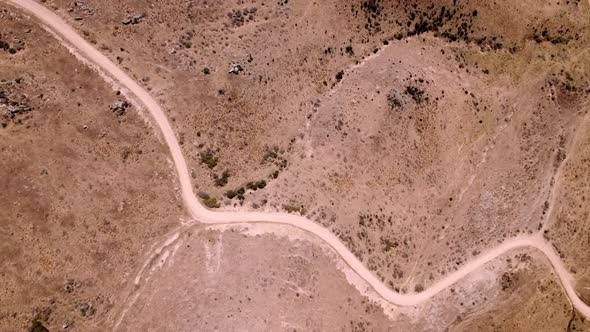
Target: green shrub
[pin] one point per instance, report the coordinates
(211, 203)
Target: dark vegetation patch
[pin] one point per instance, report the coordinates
(256, 185)
(238, 17)
(451, 20)
(240, 192)
(349, 50)
(208, 200)
(211, 203)
(394, 101)
(185, 39)
(274, 156)
(221, 180)
(508, 280)
(41, 316)
(37, 326)
(295, 208)
(209, 157)
(566, 88)
(417, 94)
(555, 32)
(373, 12)
(414, 90)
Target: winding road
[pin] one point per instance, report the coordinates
(100, 62)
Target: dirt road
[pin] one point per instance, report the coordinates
(87, 53)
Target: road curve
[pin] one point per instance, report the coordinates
(58, 26)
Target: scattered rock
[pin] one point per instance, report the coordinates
(11, 106)
(120, 107)
(133, 19)
(235, 68)
(80, 10)
(14, 108)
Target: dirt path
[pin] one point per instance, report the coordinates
(86, 52)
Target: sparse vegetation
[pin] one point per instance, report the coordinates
(294, 208)
(349, 50)
(211, 202)
(393, 101)
(417, 94)
(37, 326)
(209, 158)
(231, 194)
(221, 181)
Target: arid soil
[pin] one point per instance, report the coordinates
(526, 296)
(419, 134)
(224, 277)
(225, 281)
(85, 190)
(569, 229)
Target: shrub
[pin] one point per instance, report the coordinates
(211, 203)
(209, 158)
(38, 327)
(393, 101)
(290, 208)
(221, 181)
(416, 93)
(231, 194)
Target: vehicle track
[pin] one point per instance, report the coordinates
(86, 52)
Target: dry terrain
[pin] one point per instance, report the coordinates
(85, 190)
(420, 133)
(240, 277)
(569, 229)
